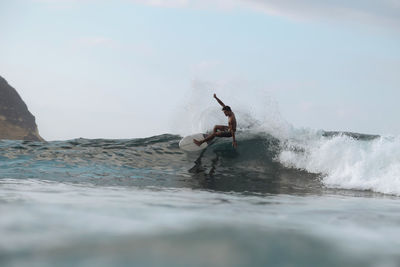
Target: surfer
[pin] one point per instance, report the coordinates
(222, 130)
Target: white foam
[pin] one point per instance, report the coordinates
(346, 162)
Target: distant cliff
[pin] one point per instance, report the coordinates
(16, 122)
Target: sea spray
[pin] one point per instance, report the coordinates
(255, 109)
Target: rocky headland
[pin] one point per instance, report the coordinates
(16, 122)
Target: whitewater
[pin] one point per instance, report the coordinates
(348, 161)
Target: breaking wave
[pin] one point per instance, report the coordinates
(347, 161)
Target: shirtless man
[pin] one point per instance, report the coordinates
(222, 130)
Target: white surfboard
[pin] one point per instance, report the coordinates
(187, 142)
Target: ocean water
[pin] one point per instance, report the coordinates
(309, 199)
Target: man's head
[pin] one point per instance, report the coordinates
(227, 110)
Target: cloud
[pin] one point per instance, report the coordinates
(206, 66)
(382, 12)
(95, 41)
(165, 3)
(203, 4)
(375, 11)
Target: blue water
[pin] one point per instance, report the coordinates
(144, 202)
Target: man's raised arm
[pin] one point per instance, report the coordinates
(219, 101)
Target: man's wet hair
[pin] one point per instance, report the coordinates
(227, 108)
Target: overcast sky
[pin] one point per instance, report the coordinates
(137, 68)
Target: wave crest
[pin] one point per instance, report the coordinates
(347, 161)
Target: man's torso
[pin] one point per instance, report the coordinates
(232, 122)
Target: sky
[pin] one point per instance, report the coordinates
(137, 68)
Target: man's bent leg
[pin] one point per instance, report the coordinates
(220, 128)
(208, 138)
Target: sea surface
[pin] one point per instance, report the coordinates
(311, 199)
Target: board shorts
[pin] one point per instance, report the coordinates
(224, 134)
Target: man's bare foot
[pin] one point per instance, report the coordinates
(197, 142)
